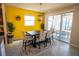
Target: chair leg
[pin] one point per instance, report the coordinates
(45, 43)
(52, 40)
(39, 45)
(25, 45)
(49, 40)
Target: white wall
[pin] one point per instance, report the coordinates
(75, 29)
(75, 25)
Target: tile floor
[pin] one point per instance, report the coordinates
(57, 48)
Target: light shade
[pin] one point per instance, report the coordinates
(40, 18)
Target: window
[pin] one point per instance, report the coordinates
(29, 20)
(54, 22)
(67, 21)
(50, 22)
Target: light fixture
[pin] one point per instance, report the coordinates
(40, 15)
(18, 17)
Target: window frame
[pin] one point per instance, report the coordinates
(25, 21)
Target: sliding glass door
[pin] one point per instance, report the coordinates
(66, 26)
(62, 25)
(56, 25)
(54, 22)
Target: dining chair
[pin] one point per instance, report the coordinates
(49, 36)
(52, 31)
(27, 42)
(42, 38)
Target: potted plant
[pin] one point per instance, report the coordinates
(10, 28)
(42, 26)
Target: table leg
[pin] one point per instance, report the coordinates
(34, 42)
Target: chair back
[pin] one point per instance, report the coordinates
(49, 33)
(42, 35)
(26, 36)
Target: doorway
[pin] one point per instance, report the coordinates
(62, 25)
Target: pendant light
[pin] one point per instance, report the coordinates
(40, 16)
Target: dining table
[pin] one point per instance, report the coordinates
(33, 34)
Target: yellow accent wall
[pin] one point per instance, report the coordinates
(11, 13)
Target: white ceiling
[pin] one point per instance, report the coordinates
(44, 7)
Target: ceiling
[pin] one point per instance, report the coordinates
(44, 7)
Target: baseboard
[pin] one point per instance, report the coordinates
(74, 45)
